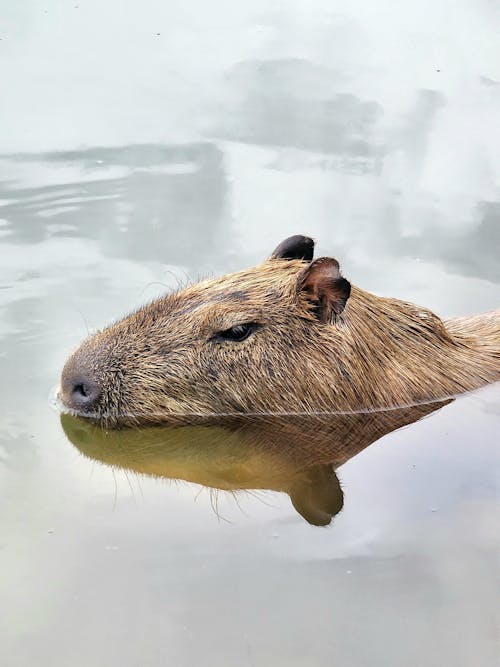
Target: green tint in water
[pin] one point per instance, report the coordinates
(297, 456)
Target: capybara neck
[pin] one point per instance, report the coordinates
(391, 352)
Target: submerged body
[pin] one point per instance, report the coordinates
(289, 335)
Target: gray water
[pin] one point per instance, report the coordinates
(148, 143)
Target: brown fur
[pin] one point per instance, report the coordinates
(316, 349)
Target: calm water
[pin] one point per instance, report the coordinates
(147, 143)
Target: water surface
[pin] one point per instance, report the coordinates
(148, 144)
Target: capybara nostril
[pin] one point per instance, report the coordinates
(83, 390)
(85, 394)
(80, 393)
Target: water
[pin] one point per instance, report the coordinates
(147, 144)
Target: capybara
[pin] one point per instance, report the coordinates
(293, 455)
(287, 336)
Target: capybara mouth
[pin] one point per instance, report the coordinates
(116, 420)
(65, 409)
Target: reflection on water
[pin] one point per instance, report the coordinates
(153, 202)
(473, 252)
(294, 103)
(131, 199)
(84, 236)
(297, 456)
(149, 143)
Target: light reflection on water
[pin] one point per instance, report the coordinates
(157, 158)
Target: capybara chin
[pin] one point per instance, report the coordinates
(290, 335)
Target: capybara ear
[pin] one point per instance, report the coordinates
(318, 496)
(323, 285)
(295, 247)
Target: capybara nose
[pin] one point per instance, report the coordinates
(80, 393)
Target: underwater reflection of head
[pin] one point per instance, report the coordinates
(295, 456)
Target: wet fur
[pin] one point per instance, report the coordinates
(164, 362)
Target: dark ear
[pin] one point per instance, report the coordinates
(295, 247)
(325, 288)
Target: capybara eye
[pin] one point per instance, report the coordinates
(237, 333)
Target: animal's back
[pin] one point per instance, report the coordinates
(485, 327)
(481, 332)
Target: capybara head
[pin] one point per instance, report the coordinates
(229, 345)
(287, 336)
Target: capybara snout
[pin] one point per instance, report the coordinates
(289, 335)
(79, 389)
